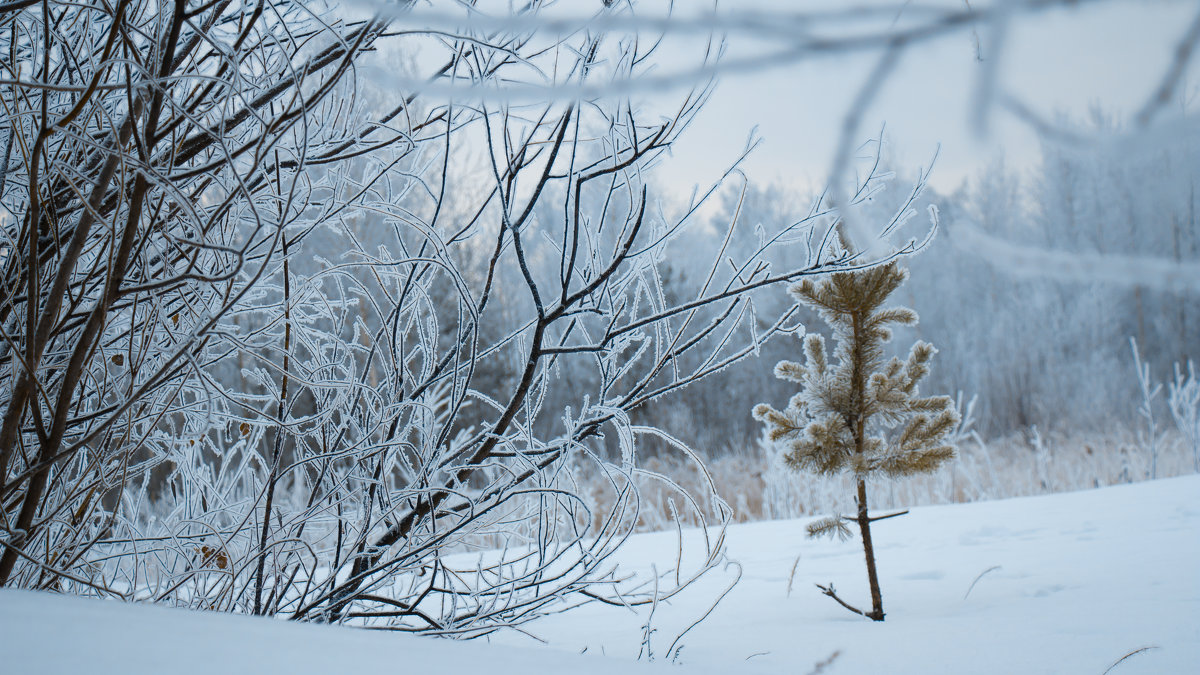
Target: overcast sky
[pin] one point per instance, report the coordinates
(1110, 55)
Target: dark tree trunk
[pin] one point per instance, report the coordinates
(864, 526)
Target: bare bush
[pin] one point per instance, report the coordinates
(155, 156)
(200, 416)
(1183, 397)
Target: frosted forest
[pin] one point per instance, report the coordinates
(484, 321)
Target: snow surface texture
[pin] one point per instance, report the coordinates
(1082, 580)
(58, 634)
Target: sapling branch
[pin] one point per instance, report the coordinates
(890, 515)
(829, 591)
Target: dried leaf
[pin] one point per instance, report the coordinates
(211, 556)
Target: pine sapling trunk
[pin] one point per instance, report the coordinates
(864, 526)
(859, 384)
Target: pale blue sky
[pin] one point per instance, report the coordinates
(1063, 62)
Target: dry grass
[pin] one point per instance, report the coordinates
(757, 486)
(1015, 466)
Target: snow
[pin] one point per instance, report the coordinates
(1083, 579)
(44, 633)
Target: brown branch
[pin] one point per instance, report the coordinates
(828, 590)
(890, 515)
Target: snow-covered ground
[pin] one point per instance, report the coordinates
(1080, 580)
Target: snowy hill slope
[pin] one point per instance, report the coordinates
(1081, 579)
(56, 634)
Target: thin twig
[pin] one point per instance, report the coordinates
(972, 586)
(792, 576)
(829, 590)
(820, 666)
(1135, 652)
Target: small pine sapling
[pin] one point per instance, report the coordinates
(861, 415)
